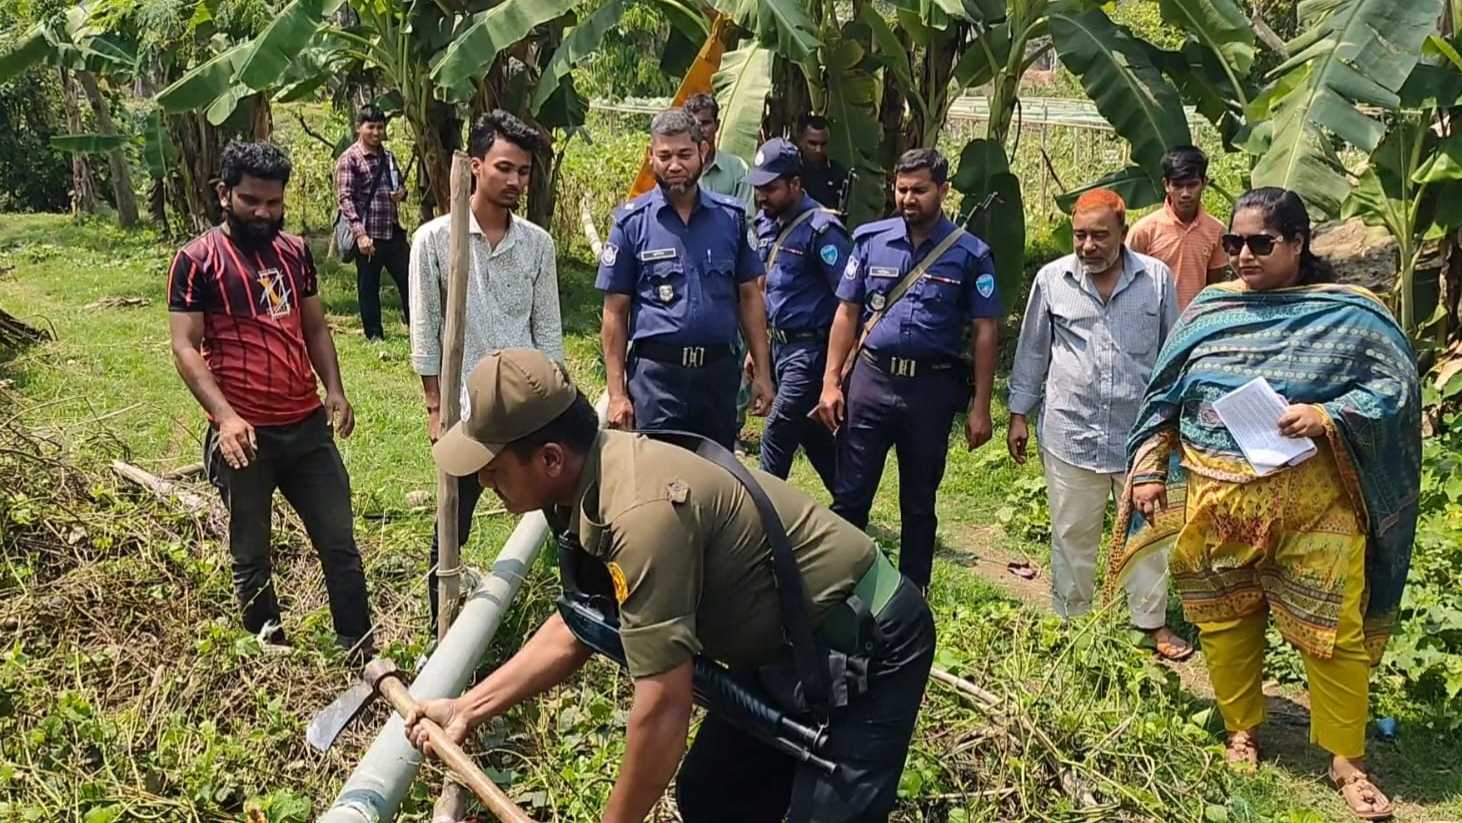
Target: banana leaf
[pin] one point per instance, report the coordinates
(741, 87)
(291, 31)
(472, 53)
(203, 84)
(577, 44)
(92, 143)
(984, 168)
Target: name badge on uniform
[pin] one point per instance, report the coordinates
(877, 300)
(651, 255)
(882, 271)
(666, 292)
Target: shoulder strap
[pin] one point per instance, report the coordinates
(796, 622)
(899, 290)
(787, 232)
(375, 181)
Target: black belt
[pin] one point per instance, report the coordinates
(788, 336)
(690, 357)
(911, 367)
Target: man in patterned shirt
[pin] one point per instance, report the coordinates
(1092, 330)
(249, 338)
(371, 206)
(512, 284)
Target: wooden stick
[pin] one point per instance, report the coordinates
(451, 754)
(449, 564)
(160, 487)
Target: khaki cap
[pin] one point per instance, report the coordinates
(510, 394)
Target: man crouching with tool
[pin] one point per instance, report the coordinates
(701, 562)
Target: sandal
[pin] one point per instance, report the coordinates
(1175, 649)
(1242, 750)
(1362, 796)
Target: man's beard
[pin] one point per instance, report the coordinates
(688, 185)
(252, 232)
(1101, 267)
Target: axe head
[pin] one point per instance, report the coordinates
(331, 721)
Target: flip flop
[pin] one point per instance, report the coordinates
(1353, 790)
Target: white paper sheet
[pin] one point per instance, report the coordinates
(1251, 413)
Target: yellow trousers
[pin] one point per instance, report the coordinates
(1339, 685)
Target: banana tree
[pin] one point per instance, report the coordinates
(81, 50)
(438, 62)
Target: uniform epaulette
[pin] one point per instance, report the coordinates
(631, 206)
(868, 229)
(725, 200)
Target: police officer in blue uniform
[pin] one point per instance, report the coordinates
(908, 379)
(678, 275)
(804, 248)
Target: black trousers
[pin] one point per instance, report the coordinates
(730, 776)
(301, 461)
(911, 415)
(700, 400)
(469, 491)
(394, 256)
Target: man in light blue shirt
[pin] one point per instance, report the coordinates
(1094, 324)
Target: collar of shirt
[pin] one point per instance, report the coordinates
(937, 234)
(361, 150)
(506, 243)
(1172, 215)
(659, 202)
(793, 213)
(588, 480)
(1131, 267)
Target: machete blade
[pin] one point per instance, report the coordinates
(332, 720)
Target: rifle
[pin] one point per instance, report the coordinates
(593, 620)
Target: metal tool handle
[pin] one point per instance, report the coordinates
(451, 754)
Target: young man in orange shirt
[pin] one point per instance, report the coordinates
(1181, 234)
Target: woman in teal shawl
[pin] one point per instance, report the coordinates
(1322, 545)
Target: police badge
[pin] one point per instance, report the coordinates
(877, 300)
(666, 292)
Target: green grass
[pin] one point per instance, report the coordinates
(106, 387)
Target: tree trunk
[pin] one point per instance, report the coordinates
(83, 188)
(191, 189)
(263, 122)
(934, 74)
(126, 198)
(436, 139)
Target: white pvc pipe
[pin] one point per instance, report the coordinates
(375, 789)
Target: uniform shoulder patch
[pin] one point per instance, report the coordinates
(851, 270)
(621, 585)
(609, 254)
(985, 285)
(677, 491)
(829, 254)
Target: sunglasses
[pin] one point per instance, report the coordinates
(1260, 244)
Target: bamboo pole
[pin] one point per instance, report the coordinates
(449, 563)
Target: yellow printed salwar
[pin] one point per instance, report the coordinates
(1288, 544)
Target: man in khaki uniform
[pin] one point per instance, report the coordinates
(691, 569)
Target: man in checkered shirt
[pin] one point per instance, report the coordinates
(371, 210)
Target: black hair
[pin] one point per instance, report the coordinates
(1284, 212)
(703, 102)
(1184, 163)
(811, 121)
(498, 123)
(915, 159)
(671, 122)
(263, 160)
(369, 113)
(575, 429)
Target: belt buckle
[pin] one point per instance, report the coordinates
(902, 366)
(693, 357)
(779, 336)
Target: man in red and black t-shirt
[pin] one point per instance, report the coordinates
(249, 337)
